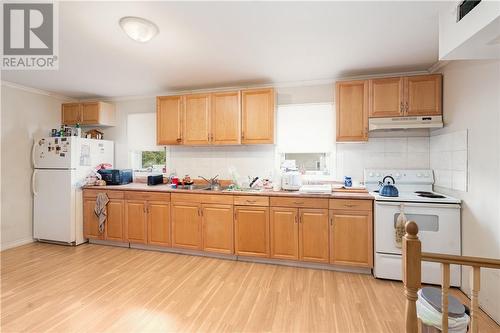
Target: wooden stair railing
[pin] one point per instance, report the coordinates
(412, 262)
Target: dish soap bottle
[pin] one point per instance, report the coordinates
(400, 227)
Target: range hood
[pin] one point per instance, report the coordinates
(405, 122)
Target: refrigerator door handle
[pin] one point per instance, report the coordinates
(33, 153)
(33, 183)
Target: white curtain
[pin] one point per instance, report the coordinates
(305, 128)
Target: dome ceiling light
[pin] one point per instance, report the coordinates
(138, 28)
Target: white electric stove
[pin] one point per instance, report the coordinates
(437, 216)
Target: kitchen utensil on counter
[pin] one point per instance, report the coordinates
(388, 189)
(347, 181)
(291, 180)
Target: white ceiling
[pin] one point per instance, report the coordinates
(213, 44)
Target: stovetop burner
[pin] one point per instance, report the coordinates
(426, 194)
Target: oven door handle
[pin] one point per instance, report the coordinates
(417, 204)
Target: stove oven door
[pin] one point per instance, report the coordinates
(439, 232)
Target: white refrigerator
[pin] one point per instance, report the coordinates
(60, 166)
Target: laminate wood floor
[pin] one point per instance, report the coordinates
(94, 288)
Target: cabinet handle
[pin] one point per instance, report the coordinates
(179, 140)
(406, 109)
(250, 201)
(201, 211)
(331, 221)
(242, 135)
(298, 202)
(296, 219)
(401, 108)
(234, 213)
(208, 137)
(349, 205)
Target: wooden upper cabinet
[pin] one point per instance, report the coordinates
(386, 97)
(196, 119)
(70, 113)
(351, 238)
(158, 223)
(351, 100)
(225, 118)
(284, 233)
(257, 112)
(135, 221)
(217, 228)
(88, 113)
(186, 225)
(169, 120)
(251, 231)
(423, 95)
(115, 226)
(313, 235)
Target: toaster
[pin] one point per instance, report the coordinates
(116, 176)
(155, 179)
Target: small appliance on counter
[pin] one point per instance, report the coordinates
(116, 176)
(155, 180)
(291, 178)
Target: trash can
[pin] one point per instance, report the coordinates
(429, 312)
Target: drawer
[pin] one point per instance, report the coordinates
(354, 204)
(298, 202)
(251, 200)
(203, 198)
(149, 196)
(92, 193)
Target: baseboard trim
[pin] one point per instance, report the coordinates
(269, 261)
(20, 242)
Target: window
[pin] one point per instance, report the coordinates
(306, 134)
(144, 154)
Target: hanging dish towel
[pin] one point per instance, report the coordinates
(400, 227)
(100, 209)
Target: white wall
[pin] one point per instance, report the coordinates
(24, 115)
(471, 100)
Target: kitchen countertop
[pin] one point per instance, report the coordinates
(167, 188)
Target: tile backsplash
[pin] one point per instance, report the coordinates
(255, 160)
(382, 153)
(448, 158)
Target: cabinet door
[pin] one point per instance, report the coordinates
(115, 230)
(135, 221)
(284, 233)
(225, 118)
(257, 112)
(313, 235)
(423, 95)
(197, 119)
(351, 101)
(386, 97)
(217, 230)
(158, 223)
(169, 120)
(90, 220)
(70, 113)
(251, 231)
(186, 225)
(90, 113)
(351, 238)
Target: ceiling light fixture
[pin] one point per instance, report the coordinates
(138, 28)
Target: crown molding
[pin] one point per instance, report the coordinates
(438, 65)
(35, 90)
(284, 84)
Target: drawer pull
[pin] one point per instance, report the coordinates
(298, 202)
(349, 205)
(251, 201)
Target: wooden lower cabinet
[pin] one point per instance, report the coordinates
(186, 225)
(115, 229)
(284, 233)
(136, 221)
(251, 231)
(217, 228)
(313, 235)
(158, 223)
(90, 220)
(351, 238)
